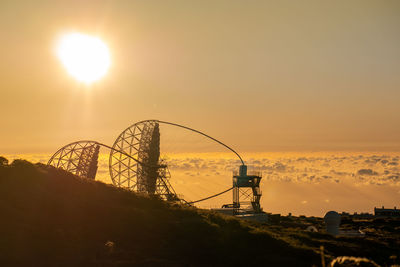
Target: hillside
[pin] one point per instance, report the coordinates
(51, 217)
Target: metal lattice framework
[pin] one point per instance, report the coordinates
(163, 187)
(79, 158)
(139, 167)
(246, 190)
(135, 164)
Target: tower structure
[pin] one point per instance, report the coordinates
(246, 191)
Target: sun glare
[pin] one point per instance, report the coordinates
(85, 57)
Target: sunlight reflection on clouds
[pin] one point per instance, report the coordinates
(298, 184)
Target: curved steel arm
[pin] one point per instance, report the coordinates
(223, 192)
(192, 202)
(143, 164)
(206, 135)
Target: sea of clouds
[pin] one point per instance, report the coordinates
(307, 183)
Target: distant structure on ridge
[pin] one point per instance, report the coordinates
(382, 212)
(246, 190)
(332, 220)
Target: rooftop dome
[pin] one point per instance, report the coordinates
(331, 214)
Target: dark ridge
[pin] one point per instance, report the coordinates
(52, 218)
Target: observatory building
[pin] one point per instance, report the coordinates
(332, 221)
(382, 212)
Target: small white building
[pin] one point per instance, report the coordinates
(332, 221)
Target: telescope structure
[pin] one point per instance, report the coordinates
(139, 167)
(79, 158)
(135, 164)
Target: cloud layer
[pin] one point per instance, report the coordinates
(300, 184)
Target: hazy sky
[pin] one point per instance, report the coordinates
(260, 75)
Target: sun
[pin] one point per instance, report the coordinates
(86, 58)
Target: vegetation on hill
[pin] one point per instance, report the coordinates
(50, 217)
(381, 242)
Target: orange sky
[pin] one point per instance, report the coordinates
(262, 76)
